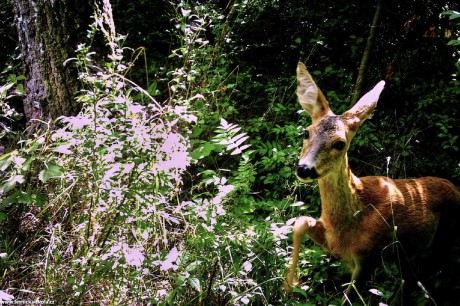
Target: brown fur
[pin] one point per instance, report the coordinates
(362, 217)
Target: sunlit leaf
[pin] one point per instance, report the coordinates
(195, 283)
(299, 290)
(18, 197)
(376, 292)
(51, 171)
(11, 183)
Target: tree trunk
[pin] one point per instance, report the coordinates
(367, 51)
(49, 32)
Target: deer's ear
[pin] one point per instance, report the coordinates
(310, 96)
(364, 107)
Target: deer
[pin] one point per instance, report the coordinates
(361, 217)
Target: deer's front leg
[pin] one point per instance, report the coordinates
(303, 226)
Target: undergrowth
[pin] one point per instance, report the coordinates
(189, 201)
(97, 207)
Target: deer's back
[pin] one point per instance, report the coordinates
(406, 211)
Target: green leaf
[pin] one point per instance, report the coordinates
(4, 89)
(5, 160)
(191, 267)
(39, 199)
(453, 42)
(34, 145)
(454, 15)
(195, 283)
(180, 279)
(8, 186)
(26, 165)
(2, 216)
(196, 132)
(17, 197)
(20, 89)
(5, 163)
(299, 290)
(203, 151)
(11, 183)
(316, 72)
(51, 171)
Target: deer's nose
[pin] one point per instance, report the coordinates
(304, 172)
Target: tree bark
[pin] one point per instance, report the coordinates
(357, 91)
(49, 31)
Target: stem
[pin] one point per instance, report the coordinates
(357, 91)
(223, 34)
(211, 279)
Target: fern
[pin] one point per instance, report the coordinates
(228, 136)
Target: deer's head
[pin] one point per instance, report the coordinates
(328, 138)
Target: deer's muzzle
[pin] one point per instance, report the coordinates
(305, 173)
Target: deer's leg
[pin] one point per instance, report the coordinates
(303, 226)
(355, 267)
(361, 271)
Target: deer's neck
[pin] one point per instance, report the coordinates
(340, 204)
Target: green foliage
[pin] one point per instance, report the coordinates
(11, 89)
(109, 176)
(454, 18)
(7, 32)
(191, 201)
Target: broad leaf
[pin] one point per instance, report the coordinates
(51, 171)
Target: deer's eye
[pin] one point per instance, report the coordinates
(339, 145)
(307, 134)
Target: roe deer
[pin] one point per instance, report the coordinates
(361, 216)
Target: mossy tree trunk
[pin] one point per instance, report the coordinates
(49, 32)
